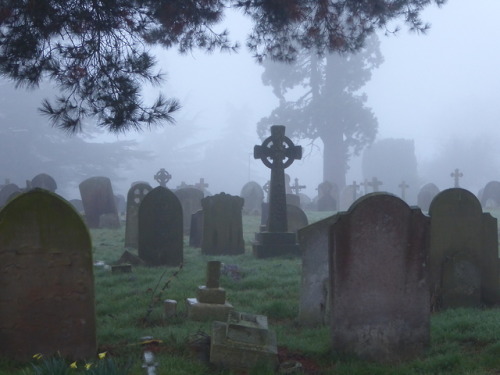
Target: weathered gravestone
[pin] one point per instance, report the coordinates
(380, 302)
(426, 195)
(190, 199)
(313, 304)
(490, 197)
(160, 228)
(8, 192)
(196, 230)
(253, 195)
(121, 204)
(305, 202)
(135, 196)
(327, 197)
(222, 225)
(464, 251)
(78, 205)
(44, 181)
(99, 203)
(277, 152)
(293, 199)
(47, 299)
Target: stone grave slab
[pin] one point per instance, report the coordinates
(253, 194)
(190, 199)
(380, 300)
(426, 195)
(99, 203)
(47, 299)
(135, 195)
(243, 342)
(160, 241)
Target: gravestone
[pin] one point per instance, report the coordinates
(160, 228)
(313, 304)
(44, 181)
(196, 230)
(490, 196)
(426, 195)
(296, 218)
(190, 199)
(380, 302)
(464, 252)
(121, 204)
(47, 299)
(78, 205)
(296, 187)
(253, 195)
(305, 202)
(210, 302)
(8, 192)
(327, 197)
(222, 225)
(135, 195)
(403, 186)
(374, 184)
(277, 152)
(99, 203)
(202, 185)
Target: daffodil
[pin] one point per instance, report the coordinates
(102, 355)
(38, 356)
(73, 365)
(88, 366)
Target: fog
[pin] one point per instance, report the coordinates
(439, 90)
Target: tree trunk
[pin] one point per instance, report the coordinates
(334, 157)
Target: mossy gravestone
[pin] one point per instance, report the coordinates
(380, 300)
(160, 228)
(464, 251)
(47, 298)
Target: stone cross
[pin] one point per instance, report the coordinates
(456, 175)
(277, 152)
(355, 188)
(375, 183)
(162, 177)
(296, 188)
(201, 185)
(365, 185)
(403, 186)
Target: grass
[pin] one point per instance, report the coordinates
(464, 341)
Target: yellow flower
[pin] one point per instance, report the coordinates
(88, 366)
(102, 355)
(73, 365)
(38, 356)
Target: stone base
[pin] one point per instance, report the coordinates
(211, 295)
(270, 244)
(237, 355)
(201, 312)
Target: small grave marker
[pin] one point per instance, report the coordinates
(162, 177)
(456, 174)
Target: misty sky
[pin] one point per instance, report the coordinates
(439, 89)
(432, 88)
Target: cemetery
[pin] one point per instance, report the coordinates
(420, 295)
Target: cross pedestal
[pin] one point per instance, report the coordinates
(277, 152)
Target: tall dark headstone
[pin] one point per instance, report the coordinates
(47, 299)
(160, 228)
(135, 196)
(222, 225)
(380, 300)
(277, 152)
(99, 203)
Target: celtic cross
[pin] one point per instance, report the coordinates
(277, 152)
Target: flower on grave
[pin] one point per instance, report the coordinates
(38, 356)
(73, 365)
(102, 355)
(88, 366)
